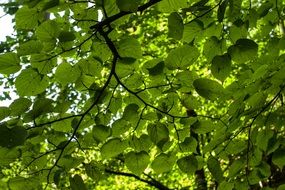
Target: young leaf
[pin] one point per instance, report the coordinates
(137, 162)
(208, 88)
(9, 63)
(175, 26)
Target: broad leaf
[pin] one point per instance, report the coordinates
(129, 47)
(9, 63)
(243, 50)
(113, 147)
(48, 31)
(126, 5)
(188, 164)
(175, 26)
(137, 162)
(208, 88)
(181, 57)
(101, 132)
(163, 163)
(221, 67)
(77, 183)
(31, 83)
(12, 136)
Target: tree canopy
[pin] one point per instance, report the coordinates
(143, 94)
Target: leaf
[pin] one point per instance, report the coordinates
(27, 18)
(66, 36)
(94, 171)
(213, 47)
(30, 83)
(129, 47)
(66, 73)
(226, 186)
(221, 67)
(181, 57)
(4, 112)
(158, 133)
(137, 162)
(101, 132)
(30, 47)
(214, 166)
(278, 158)
(12, 137)
(143, 143)
(17, 183)
(157, 69)
(191, 31)
(188, 145)
(208, 88)
(243, 50)
(126, 5)
(175, 26)
(222, 10)
(20, 106)
(188, 164)
(171, 5)
(77, 183)
(48, 31)
(163, 163)
(9, 63)
(236, 167)
(112, 148)
(130, 112)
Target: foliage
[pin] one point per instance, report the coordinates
(168, 94)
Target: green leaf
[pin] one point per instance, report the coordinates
(94, 171)
(43, 63)
(9, 63)
(66, 73)
(113, 147)
(163, 163)
(30, 47)
(157, 69)
(158, 133)
(188, 164)
(4, 112)
(181, 57)
(129, 47)
(203, 126)
(243, 50)
(278, 158)
(20, 106)
(66, 36)
(126, 5)
(101, 132)
(213, 47)
(27, 18)
(208, 88)
(31, 83)
(171, 5)
(12, 136)
(281, 187)
(143, 143)
(77, 183)
(175, 26)
(236, 167)
(226, 186)
(191, 31)
(130, 112)
(263, 138)
(215, 169)
(222, 10)
(137, 162)
(221, 66)
(17, 183)
(48, 31)
(188, 145)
